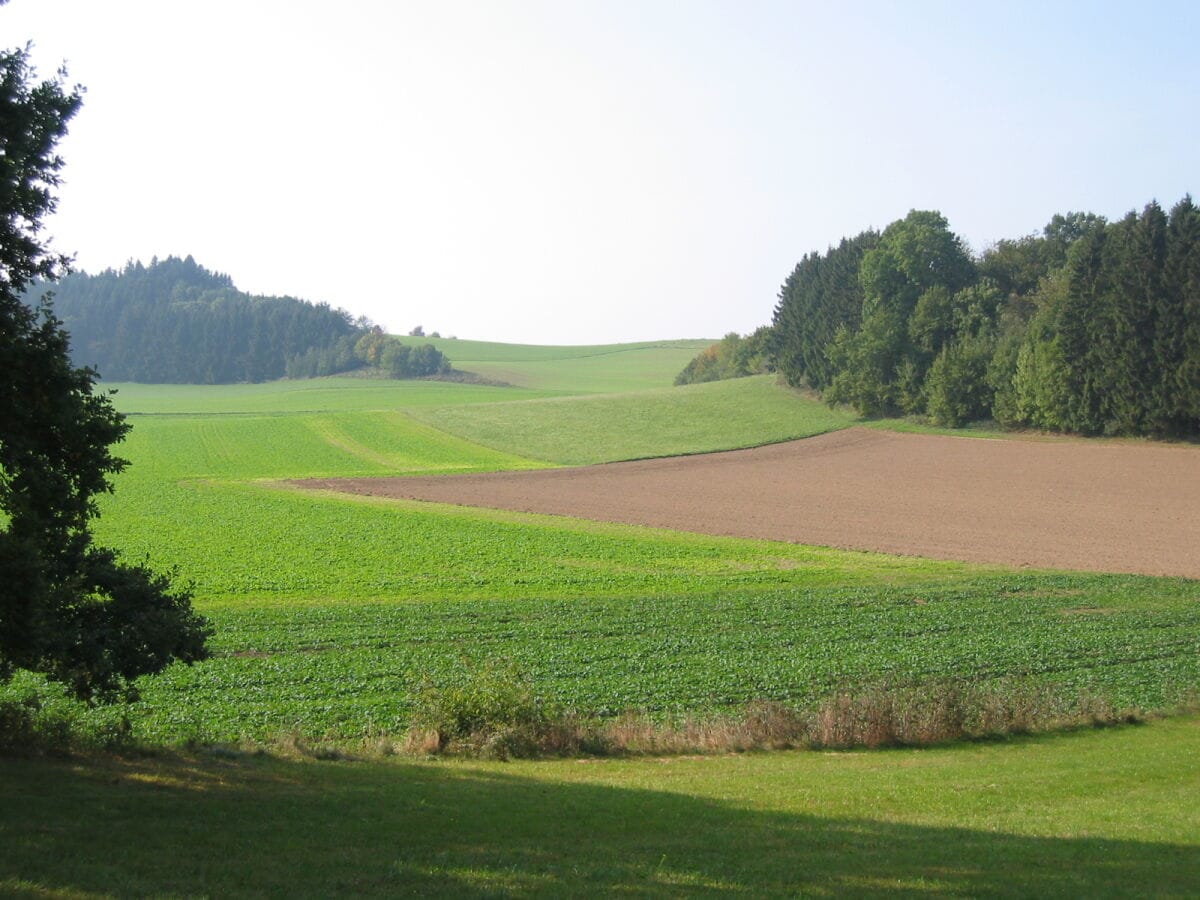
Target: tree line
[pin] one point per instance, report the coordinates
(175, 321)
(1089, 326)
(733, 356)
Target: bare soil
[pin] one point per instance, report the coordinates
(1064, 504)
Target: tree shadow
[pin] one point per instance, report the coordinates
(190, 826)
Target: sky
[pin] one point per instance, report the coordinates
(570, 172)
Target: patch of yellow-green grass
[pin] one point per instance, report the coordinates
(603, 368)
(344, 394)
(302, 445)
(1086, 814)
(720, 415)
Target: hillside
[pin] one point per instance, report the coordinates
(593, 428)
(175, 321)
(585, 369)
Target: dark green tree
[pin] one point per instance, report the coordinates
(68, 609)
(1175, 405)
(916, 269)
(822, 295)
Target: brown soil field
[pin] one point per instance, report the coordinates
(1063, 504)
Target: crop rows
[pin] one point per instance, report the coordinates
(351, 669)
(330, 612)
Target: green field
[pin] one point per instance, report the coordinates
(672, 421)
(607, 368)
(330, 612)
(1090, 814)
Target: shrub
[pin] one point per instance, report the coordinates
(493, 712)
(35, 725)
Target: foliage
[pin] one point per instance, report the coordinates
(910, 281)
(821, 297)
(957, 384)
(68, 608)
(493, 711)
(174, 321)
(1114, 339)
(37, 720)
(1088, 327)
(397, 359)
(732, 357)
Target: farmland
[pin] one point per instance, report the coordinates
(332, 610)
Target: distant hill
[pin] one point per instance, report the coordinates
(175, 321)
(591, 369)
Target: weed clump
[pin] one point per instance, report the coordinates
(494, 712)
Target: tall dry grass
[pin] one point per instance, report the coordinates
(871, 717)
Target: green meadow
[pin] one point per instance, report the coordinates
(1085, 814)
(331, 612)
(671, 421)
(607, 368)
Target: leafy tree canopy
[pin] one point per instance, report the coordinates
(68, 609)
(1090, 326)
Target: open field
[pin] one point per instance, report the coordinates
(1064, 504)
(606, 368)
(1089, 814)
(316, 395)
(582, 430)
(331, 610)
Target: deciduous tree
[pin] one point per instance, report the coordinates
(68, 609)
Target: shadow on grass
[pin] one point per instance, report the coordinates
(187, 826)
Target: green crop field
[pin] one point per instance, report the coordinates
(331, 611)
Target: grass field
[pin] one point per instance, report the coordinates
(607, 368)
(331, 611)
(1089, 814)
(664, 422)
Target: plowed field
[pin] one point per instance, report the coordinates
(1064, 504)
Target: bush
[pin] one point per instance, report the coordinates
(494, 712)
(37, 723)
(733, 356)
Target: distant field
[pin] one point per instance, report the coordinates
(607, 368)
(330, 610)
(309, 395)
(671, 421)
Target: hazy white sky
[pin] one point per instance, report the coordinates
(611, 170)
